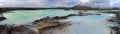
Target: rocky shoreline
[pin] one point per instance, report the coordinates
(41, 26)
(2, 17)
(115, 19)
(37, 27)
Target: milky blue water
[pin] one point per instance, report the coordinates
(20, 17)
(92, 24)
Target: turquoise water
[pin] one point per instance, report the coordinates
(21, 17)
(91, 24)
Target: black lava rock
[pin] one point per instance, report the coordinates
(2, 18)
(115, 28)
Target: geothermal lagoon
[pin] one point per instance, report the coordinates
(88, 24)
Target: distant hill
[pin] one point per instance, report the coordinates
(81, 7)
(77, 7)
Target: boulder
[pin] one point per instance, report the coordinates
(3, 29)
(115, 28)
(118, 15)
(2, 18)
(18, 29)
(118, 32)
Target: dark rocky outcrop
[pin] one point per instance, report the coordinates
(40, 25)
(117, 15)
(43, 25)
(2, 18)
(7, 29)
(115, 28)
(3, 29)
(117, 20)
(18, 29)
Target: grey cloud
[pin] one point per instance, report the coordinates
(54, 3)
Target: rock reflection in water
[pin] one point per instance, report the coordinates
(94, 24)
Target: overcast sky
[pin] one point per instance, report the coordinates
(59, 3)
